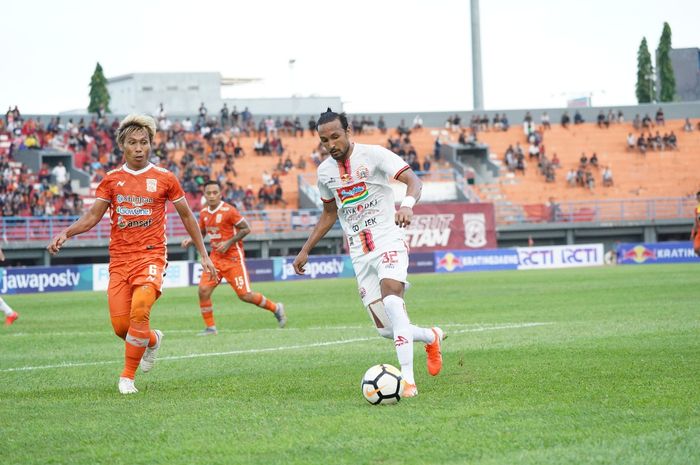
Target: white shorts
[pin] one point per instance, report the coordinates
(370, 269)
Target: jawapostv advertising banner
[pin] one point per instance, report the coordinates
(452, 226)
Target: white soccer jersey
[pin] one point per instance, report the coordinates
(360, 188)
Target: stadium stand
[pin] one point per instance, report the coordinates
(259, 165)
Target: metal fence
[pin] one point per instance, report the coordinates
(597, 211)
(19, 228)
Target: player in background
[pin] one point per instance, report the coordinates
(695, 232)
(136, 194)
(10, 315)
(226, 228)
(354, 186)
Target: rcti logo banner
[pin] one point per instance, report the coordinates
(452, 226)
(328, 266)
(560, 256)
(662, 252)
(46, 279)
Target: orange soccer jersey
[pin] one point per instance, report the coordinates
(137, 209)
(220, 224)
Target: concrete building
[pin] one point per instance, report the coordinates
(686, 70)
(182, 94)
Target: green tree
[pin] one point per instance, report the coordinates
(98, 91)
(645, 74)
(667, 84)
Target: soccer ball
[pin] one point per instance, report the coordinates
(382, 384)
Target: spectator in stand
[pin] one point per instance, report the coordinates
(60, 174)
(590, 180)
(202, 115)
(631, 142)
(620, 117)
(603, 120)
(565, 120)
(688, 126)
(578, 118)
(402, 129)
(571, 177)
(642, 144)
(607, 177)
(637, 122)
(660, 119)
(594, 160)
(504, 122)
(427, 164)
(583, 160)
(646, 121)
(672, 141)
(224, 116)
(556, 163)
(544, 121)
(312, 125)
(436, 148)
(381, 125)
(417, 123)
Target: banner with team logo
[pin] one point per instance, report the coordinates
(662, 252)
(452, 226)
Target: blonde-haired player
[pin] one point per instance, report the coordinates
(136, 194)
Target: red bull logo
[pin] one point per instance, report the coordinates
(638, 254)
(448, 262)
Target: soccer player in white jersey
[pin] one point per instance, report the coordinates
(354, 186)
(10, 315)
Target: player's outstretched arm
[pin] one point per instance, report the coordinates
(414, 186)
(84, 223)
(329, 215)
(192, 228)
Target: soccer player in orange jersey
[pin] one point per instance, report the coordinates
(136, 194)
(10, 315)
(227, 228)
(695, 232)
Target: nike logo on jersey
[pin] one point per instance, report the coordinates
(120, 183)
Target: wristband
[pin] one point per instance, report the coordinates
(408, 201)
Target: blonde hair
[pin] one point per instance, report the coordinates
(133, 123)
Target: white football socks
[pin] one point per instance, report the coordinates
(403, 335)
(5, 308)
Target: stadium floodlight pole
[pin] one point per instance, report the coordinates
(477, 83)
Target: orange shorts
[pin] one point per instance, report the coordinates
(235, 273)
(125, 276)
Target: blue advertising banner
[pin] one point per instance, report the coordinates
(421, 262)
(318, 266)
(661, 252)
(476, 260)
(46, 279)
(259, 269)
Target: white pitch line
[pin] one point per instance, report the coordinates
(238, 331)
(268, 349)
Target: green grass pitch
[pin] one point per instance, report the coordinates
(587, 366)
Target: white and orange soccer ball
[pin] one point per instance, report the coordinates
(382, 384)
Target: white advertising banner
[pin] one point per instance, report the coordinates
(560, 256)
(176, 275)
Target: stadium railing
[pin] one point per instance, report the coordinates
(21, 228)
(597, 211)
